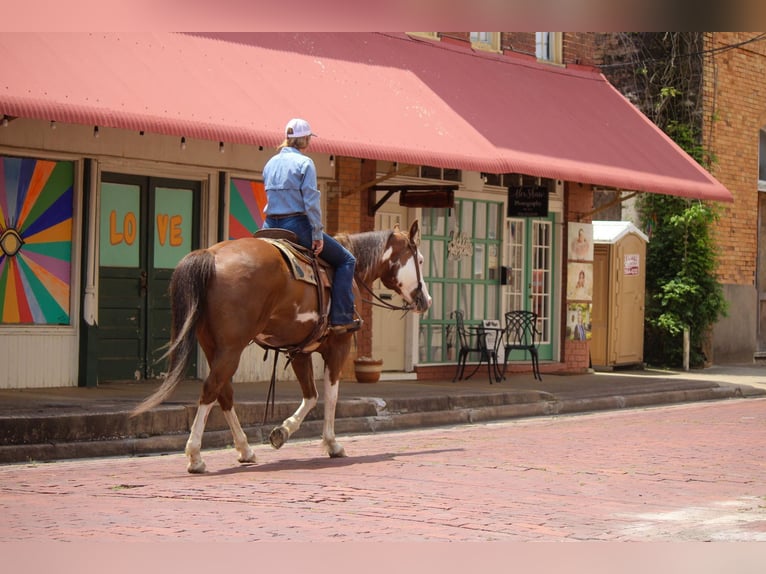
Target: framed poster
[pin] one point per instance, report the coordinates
(580, 281)
(579, 321)
(580, 242)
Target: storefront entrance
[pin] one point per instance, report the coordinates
(528, 284)
(146, 225)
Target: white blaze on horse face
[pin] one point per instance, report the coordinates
(424, 287)
(407, 278)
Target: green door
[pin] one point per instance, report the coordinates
(529, 261)
(146, 226)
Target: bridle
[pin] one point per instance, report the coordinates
(406, 307)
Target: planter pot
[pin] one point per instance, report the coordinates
(367, 370)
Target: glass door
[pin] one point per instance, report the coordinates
(528, 282)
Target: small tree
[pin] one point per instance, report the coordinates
(681, 289)
(662, 73)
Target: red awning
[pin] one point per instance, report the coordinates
(368, 95)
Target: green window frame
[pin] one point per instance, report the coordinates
(462, 249)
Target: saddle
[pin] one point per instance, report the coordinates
(304, 266)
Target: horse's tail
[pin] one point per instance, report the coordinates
(188, 287)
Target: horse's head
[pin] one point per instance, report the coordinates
(405, 268)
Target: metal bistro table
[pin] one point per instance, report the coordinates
(494, 340)
(484, 339)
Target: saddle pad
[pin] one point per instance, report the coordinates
(300, 266)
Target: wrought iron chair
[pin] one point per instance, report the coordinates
(521, 334)
(472, 340)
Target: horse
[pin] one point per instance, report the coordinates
(241, 291)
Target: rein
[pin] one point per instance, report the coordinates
(380, 302)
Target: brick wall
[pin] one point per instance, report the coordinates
(734, 96)
(347, 213)
(579, 201)
(576, 356)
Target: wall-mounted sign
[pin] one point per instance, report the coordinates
(528, 201)
(459, 246)
(632, 264)
(427, 198)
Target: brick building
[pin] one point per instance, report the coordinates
(734, 99)
(99, 129)
(722, 75)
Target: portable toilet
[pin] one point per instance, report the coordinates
(619, 288)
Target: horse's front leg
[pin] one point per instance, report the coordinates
(332, 447)
(304, 371)
(335, 354)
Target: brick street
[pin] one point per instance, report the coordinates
(694, 472)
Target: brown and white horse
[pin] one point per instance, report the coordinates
(240, 291)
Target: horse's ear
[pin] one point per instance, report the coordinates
(397, 229)
(415, 233)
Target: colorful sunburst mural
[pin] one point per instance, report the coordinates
(36, 207)
(247, 202)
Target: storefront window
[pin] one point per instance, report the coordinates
(462, 249)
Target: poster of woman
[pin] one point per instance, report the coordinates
(580, 241)
(580, 281)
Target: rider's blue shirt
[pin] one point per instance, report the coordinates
(290, 179)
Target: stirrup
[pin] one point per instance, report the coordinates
(348, 328)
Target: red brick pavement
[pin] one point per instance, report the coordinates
(693, 472)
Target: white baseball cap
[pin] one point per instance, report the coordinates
(298, 128)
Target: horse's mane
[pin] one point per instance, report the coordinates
(367, 247)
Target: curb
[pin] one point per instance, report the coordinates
(355, 416)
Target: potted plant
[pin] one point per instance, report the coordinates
(367, 369)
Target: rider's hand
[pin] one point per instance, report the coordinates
(317, 246)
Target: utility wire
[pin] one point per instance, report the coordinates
(717, 50)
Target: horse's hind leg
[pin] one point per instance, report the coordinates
(222, 368)
(304, 371)
(226, 400)
(194, 442)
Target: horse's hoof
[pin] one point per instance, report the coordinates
(196, 467)
(340, 452)
(278, 437)
(249, 456)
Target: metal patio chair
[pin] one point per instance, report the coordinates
(521, 334)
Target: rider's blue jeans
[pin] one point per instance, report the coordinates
(342, 306)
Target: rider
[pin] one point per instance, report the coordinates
(290, 180)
